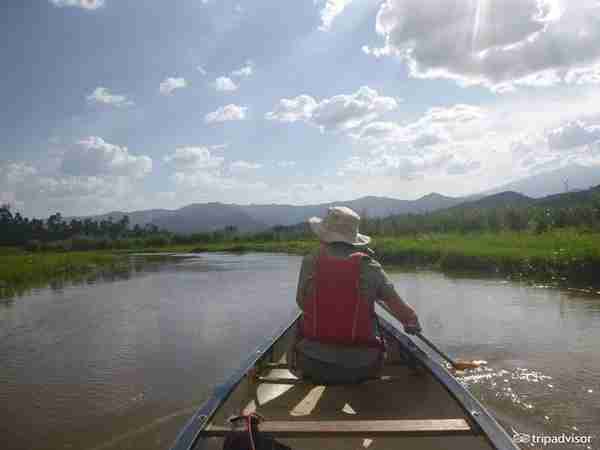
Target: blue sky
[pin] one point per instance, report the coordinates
(111, 105)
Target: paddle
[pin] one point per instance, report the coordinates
(458, 364)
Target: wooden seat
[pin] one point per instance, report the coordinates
(270, 380)
(362, 428)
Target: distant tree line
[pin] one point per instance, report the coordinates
(462, 221)
(56, 233)
(18, 230)
(477, 220)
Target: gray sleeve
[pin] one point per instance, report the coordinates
(380, 282)
(304, 280)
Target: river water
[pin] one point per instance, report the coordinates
(121, 361)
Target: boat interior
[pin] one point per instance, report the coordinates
(407, 407)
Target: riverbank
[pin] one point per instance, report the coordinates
(559, 257)
(20, 270)
(565, 257)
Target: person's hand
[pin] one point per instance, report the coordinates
(413, 328)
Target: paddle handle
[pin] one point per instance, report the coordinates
(438, 351)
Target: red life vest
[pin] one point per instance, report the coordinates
(336, 313)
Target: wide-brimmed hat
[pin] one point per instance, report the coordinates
(340, 225)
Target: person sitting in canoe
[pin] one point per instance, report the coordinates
(338, 340)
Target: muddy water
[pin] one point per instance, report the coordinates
(121, 362)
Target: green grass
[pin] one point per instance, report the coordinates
(560, 256)
(563, 245)
(565, 256)
(19, 269)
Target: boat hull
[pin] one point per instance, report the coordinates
(416, 403)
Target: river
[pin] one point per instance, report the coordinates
(121, 361)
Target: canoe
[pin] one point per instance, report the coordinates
(415, 404)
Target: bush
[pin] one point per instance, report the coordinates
(33, 246)
(158, 241)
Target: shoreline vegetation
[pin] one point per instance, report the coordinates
(563, 257)
(554, 240)
(560, 257)
(22, 270)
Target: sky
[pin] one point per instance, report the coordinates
(127, 105)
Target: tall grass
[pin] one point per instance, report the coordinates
(562, 256)
(30, 269)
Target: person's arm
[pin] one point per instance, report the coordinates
(391, 300)
(403, 312)
(304, 279)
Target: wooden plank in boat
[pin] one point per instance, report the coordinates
(273, 380)
(302, 428)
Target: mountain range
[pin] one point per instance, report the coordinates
(570, 178)
(248, 218)
(255, 217)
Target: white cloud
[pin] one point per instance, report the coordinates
(286, 164)
(426, 140)
(225, 84)
(226, 113)
(217, 184)
(498, 44)
(202, 70)
(458, 166)
(84, 4)
(168, 85)
(573, 134)
(338, 113)
(219, 146)
(244, 166)
(244, 71)
(294, 109)
(584, 75)
(193, 159)
(102, 95)
(39, 191)
(459, 113)
(404, 166)
(438, 125)
(330, 11)
(12, 172)
(94, 156)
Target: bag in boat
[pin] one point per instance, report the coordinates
(245, 435)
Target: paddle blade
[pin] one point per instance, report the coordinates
(462, 364)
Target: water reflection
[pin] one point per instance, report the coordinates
(114, 360)
(541, 344)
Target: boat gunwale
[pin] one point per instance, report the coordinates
(473, 409)
(187, 437)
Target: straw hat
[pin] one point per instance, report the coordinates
(340, 225)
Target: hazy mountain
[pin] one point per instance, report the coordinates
(574, 177)
(587, 197)
(135, 217)
(208, 217)
(211, 216)
(506, 199)
(370, 206)
(191, 218)
(509, 199)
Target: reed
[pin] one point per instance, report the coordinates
(20, 269)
